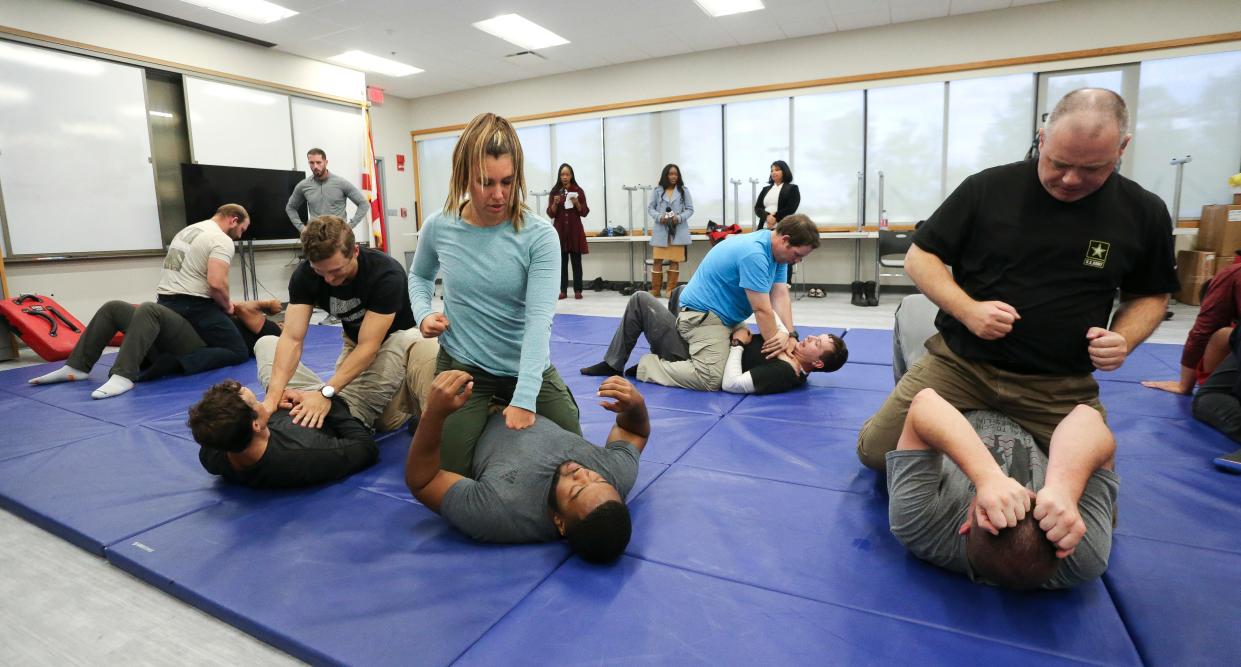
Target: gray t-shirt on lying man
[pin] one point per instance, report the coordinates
(513, 472)
(929, 499)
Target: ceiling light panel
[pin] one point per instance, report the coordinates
(514, 29)
(374, 64)
(728, 7)
(254, 11)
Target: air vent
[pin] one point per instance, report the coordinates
(525, 58)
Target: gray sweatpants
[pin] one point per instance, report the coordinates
(149, 329)
(645, 314)
(380, 396)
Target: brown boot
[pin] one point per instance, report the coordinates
(657, 281)
(674, 275)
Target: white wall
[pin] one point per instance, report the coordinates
(83, 285)
(100, 26)
(1063, 26)
(390, 128)
(1069, 25)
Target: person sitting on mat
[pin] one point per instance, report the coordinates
(156, 339)
(1207, 343)
(1218, 401)
(365, 289)
(535, 484)
(749, 372)
(744, 275)
(498, 261)
(998, 510)
(1039, 251)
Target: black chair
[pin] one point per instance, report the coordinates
(890, 254)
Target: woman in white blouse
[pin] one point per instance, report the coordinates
(779, 199)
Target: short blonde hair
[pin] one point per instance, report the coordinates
(487, 135)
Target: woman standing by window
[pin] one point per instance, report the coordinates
(670, 210)
(566, 208)
(778, 200)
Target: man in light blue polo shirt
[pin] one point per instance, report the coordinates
(742, 276)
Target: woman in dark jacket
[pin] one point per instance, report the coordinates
(779, 199)
(566, 207)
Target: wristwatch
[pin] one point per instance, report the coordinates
(328, 391)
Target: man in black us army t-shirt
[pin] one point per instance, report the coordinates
(365, 289)
(1038, 251)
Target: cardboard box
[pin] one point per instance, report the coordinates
(1222, 261)
(1193, 269)
(1219, 230)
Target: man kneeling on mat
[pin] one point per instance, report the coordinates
(1001, 512)
(536, 484)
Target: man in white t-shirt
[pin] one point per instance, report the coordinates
(194, 284)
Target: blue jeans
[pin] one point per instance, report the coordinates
(224, 344)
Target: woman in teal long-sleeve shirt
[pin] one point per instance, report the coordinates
(500, 265)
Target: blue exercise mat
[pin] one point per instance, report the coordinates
(673, 432)
(1127, 399)
(1142, 364)
(1149, 441)
(835, 547)
(839, 408)
(146, 401)
(1180, 603)
(97, 491)
(785, 451)
(1186, 501)
(868, 346)
(342, 575)
(855, 376)
(639, 612)
(32, 426)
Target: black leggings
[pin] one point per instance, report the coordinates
(1216, 402)
(577, 271)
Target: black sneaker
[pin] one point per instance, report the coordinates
(600, 369)
(632, 371)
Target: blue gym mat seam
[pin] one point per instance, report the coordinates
(773, 479)
(1230, 552)
(781, 421)
(63, 444)
(870, 612)
(1124, 620)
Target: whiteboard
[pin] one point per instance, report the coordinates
(75, 154)
(341, 132)
(237, 126)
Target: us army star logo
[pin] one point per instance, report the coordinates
(1096, 254)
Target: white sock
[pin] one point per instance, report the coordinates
(63, 374)
(115, 386)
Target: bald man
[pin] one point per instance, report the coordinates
(1039, 250)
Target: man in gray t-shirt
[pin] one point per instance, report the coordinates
(535, 484)
(996, 508)
(324, 193)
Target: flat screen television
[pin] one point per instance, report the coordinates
(263, 192)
